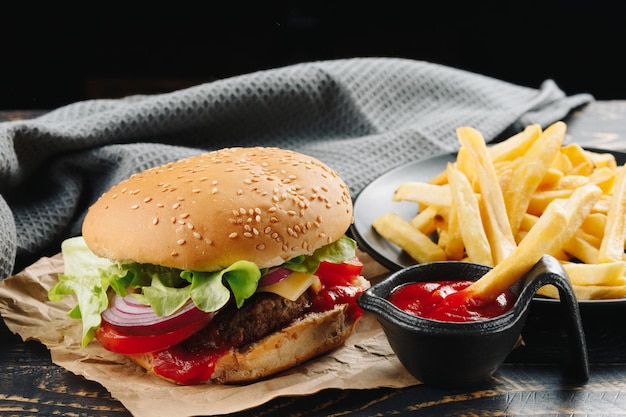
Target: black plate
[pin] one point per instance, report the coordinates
(375, 200)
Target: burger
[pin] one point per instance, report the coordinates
(226, 267)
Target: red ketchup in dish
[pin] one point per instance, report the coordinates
(442, 301)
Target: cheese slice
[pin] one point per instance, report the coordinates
(293, 286)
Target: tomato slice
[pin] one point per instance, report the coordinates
(339, 274)
(119, 342)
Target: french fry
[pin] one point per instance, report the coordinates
(557, 224)
(587, 292)
(499, 231)
(424, 221)
(607, 274)
(423, 193)
(581, 249)
(537, 242)
(594, 224)
(454, 247)
(612, 247)
(516, 145)
(541, 199)
(533, 167)
(469, 219)
(602, 159)
(562, 163)
(603, 177)
(578, 207)
(571, 181)
(398, 231)
(550, 179)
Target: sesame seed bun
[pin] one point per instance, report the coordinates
(265, 205)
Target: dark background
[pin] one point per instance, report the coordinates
(53, 56)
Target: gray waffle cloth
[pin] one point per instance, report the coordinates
(361, 116)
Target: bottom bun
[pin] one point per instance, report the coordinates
(306, 338)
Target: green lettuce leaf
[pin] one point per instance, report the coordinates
(82, 278)
(341, 250)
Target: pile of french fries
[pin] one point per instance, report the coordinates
(518, 199)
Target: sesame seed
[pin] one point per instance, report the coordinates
(147, 199)
(196, 190)
(181, 241)
(260, 246)
(232, 235)
(134, 206)
(155, 221)
(174, 253)
(214, 190)
(175, 206)
(248, 234)
(189, 226)
(197, 235)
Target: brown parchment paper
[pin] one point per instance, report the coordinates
(365, 361)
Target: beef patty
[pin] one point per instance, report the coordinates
(261, 314)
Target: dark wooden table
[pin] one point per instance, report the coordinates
(531, 382)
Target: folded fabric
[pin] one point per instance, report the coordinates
(361, 116)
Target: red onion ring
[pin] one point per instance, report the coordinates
(127, 315)
(274, 275)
